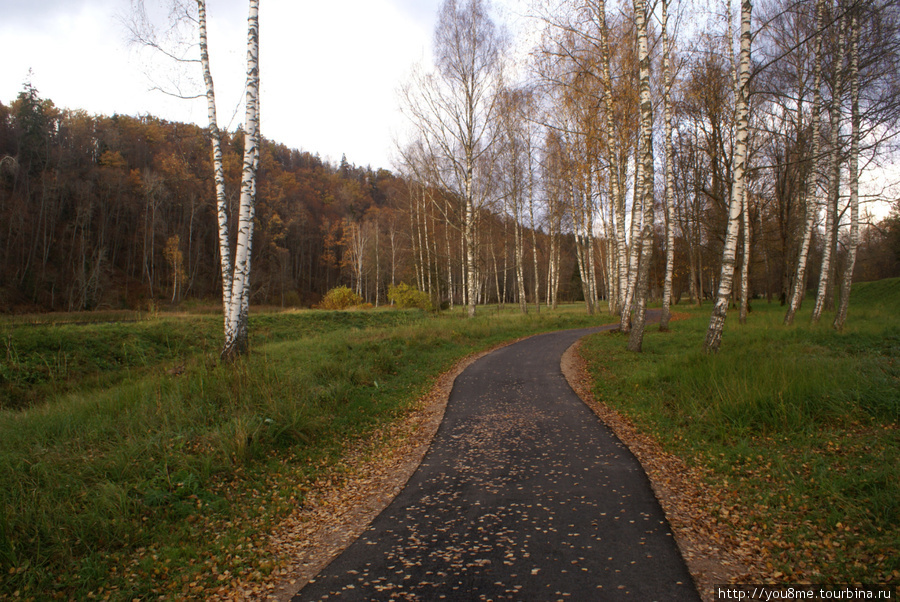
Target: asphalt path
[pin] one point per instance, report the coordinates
(523, 495)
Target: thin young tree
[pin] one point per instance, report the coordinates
(831, 214)
(841, 316)
(799, 287)
(670, 172)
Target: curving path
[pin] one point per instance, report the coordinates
(523, 495)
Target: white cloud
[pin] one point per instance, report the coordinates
(329, 69)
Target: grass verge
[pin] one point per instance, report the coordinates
(164, 483)
(799, 425)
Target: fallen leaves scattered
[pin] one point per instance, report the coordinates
(700, 515)
(339, 505)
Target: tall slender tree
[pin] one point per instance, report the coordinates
(847, 281)
(809, 194)
(670, 171)
(735, 205)
(645, 184)
(236, 329)
(823, 297)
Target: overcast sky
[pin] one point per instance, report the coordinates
(329, 69)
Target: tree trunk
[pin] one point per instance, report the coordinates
(745, 257)
(831, 217)
(809, 195)
(717, 320)
(215, 136)
(237, 328)
(641, 289)
(670, 174)
(841, 316)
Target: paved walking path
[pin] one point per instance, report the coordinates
(524, 495)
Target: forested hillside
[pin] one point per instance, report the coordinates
(116, 212)
(549, 204)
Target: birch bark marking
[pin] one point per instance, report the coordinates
(854, 172)
(236, 329)
(810, 193)
(670, 173)
(726, 277)
(745, 256)
(636, 336)
(215, 137)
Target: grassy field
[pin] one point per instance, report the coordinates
(799, 425)
(134, 465)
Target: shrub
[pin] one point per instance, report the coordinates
(408, 297)
(340, 298)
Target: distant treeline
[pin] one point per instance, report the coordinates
(116, 212)
(119, 212)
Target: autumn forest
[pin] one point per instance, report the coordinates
(120, 211)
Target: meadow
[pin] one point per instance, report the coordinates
(797, 426)
(134, 465)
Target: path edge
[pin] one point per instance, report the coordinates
(712, 554)
(332, 517)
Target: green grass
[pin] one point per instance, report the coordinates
(43, 359)
(800, 424)
(126, 480)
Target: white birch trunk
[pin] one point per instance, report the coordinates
(469, 235)
(641, 288)
(218, 165)
(844, 304)
(613, 146)
(670, 173)
(534, 255)
(236, 328)
(428, 270)
(831, 218)
(726, 278)
(745, 258)
(637, 211)
(520, 265)
(449, 259)
(809, 194)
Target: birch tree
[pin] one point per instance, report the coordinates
(841, 316)
(236, 328)
(644, 186)
(834, 172)
(729, 252)
(234, 264)
(809, 194)
(670, 171)
(453, 108)
(215, 137)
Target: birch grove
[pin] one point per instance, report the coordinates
(545, 191)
